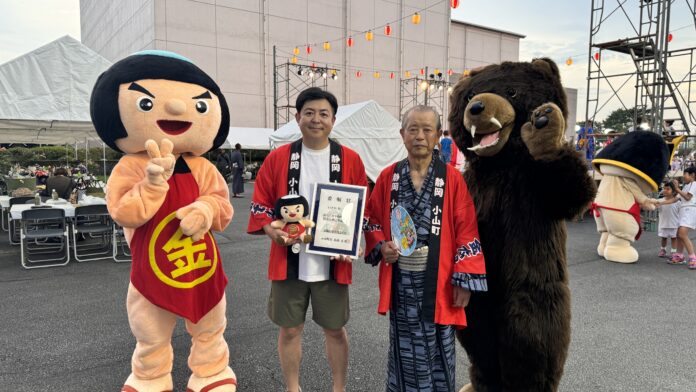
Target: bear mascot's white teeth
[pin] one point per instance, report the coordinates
(487, 140)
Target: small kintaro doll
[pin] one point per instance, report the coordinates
(291, 213)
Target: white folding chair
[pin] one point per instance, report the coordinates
(12, 226)
(38, 227)
(121, 250)
(94, 226)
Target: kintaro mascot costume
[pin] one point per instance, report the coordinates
(509, 121)
(164, 113)
(631, 166)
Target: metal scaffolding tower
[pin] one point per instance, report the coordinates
(289, 80)
(430, 90)
(659, 95)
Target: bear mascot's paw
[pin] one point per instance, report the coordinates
(543, 135)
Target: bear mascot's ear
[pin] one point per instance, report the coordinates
(547, 65)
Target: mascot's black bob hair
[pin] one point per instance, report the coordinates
(290, 200)
(103, 105)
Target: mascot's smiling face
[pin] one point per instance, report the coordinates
(488, 108)
(185, 113)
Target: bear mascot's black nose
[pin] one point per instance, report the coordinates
(477, 108)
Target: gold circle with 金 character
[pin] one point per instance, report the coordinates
(163, 276)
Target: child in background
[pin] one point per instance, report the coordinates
(668, 208)
(687, 217)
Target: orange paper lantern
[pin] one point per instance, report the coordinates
(296, 51)
(407, 74)
(369, 35)
(416, 18)
(376, 75)
(569, 61)
(327, 45)
(293, 60)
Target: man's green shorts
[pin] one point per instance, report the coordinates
(289, 299)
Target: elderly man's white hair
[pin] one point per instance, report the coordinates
(420, 108)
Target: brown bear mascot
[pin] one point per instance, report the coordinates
(509, 121)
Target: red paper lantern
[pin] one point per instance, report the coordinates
(387, 30)
(422, 71)
(309, 49)
(669, 37)
(358, 74)
(391, 75)
(349, 42)
(454, 3)
(596, 56)
(450, 72)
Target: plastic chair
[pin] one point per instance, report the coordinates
(38, 227)
(12, 227)
(92, 222)
(121, 250)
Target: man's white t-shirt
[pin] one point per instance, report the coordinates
(314, 168)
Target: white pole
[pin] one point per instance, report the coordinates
(104, 160)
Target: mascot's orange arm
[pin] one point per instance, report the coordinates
(213, 191)
(130, 198)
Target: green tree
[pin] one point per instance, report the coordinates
(620, 119)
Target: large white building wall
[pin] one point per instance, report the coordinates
(116, 28)
(233, 41)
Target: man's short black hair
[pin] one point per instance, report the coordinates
(237, 146)
(690, 170)
(103, 105)
(313, 94)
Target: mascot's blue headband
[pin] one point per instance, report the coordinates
(163, 53)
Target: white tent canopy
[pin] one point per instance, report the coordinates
(44, 94)
(249, 138)
(364, 127)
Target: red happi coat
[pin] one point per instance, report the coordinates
(272, 184)
(458, 232)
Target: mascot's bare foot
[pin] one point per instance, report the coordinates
(225, 381)
(467, 388)
(134, 384)
(544, 133)
(602, 243)
(619, 250)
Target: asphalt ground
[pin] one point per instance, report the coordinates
(65, 329)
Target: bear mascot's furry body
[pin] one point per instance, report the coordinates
(631, 166)
(164, 112)
(508, 119)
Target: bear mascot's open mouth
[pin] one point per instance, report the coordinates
(490, 119)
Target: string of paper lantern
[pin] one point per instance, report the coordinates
(415, 18)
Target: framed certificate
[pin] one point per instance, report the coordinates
(337, 213)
